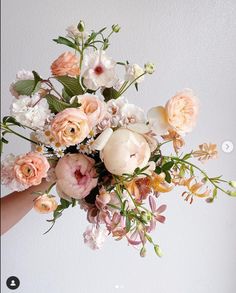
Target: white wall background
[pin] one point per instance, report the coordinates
(193, 44)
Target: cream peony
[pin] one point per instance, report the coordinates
(70, 127)
(125, 151)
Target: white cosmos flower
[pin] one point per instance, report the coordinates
(99, 70)
(134, 71)
(31, 111)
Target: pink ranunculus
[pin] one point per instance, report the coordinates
(93, 107)
(66, 64)
(182, 111)
(45, 204)
(70, 127)
(30, 169)
(76, 176)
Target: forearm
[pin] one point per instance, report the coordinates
(17, 204)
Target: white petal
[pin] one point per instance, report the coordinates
(140, 128)
(102, 139)
(158, 120)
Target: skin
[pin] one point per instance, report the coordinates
(16, 205)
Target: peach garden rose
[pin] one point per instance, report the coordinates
(66, 64)
(76, 176)
(30, 169)
(70, 127)
(179, 114)
(45, 204)
(93, 107)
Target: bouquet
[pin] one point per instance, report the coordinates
(100, 151)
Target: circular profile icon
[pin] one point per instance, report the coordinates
(13, 282)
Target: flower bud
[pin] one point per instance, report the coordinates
(158, 250)
(115, 28)
(81, 26)
(149, 68)
(143, 252)
(232, 184)
(232, 192)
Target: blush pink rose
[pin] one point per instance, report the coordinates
(45, 204)
(30, 169)
(182, 111)
(66, 64)
(70, 127)
(76, 176)
(93, 107)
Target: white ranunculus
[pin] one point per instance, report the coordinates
(31, 111)
(99, 70)
(125, 151)
(134, 71)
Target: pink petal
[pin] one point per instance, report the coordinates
(161, 209)
(152, 203)
(160, 218)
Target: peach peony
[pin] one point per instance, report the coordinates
(70, 127)
(182, 111)
(93, 107)
(76, 176)
(45, 204)
(30, 169)
(125, 151)
(66, 64)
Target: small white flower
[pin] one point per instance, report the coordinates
(132, 114)
(87, 147)
(74, 33)
(31, 111)
(24, 75)
(114, 107)
(94, 236)
(99, 70)
(134, 71)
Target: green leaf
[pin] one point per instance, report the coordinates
(167, 166)
(187, 156)
(109, 93)
(64, 203)
(37, 78)
(10, 119)
(168, 176)
(25, 87)
(56, 105)
(155, 158)
(66, 42)
(158, 170)
(71, 85)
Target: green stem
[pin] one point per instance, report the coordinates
(199, 169)
(134, 81)
(17, 134)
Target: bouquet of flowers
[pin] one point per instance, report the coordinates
(100, 151)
